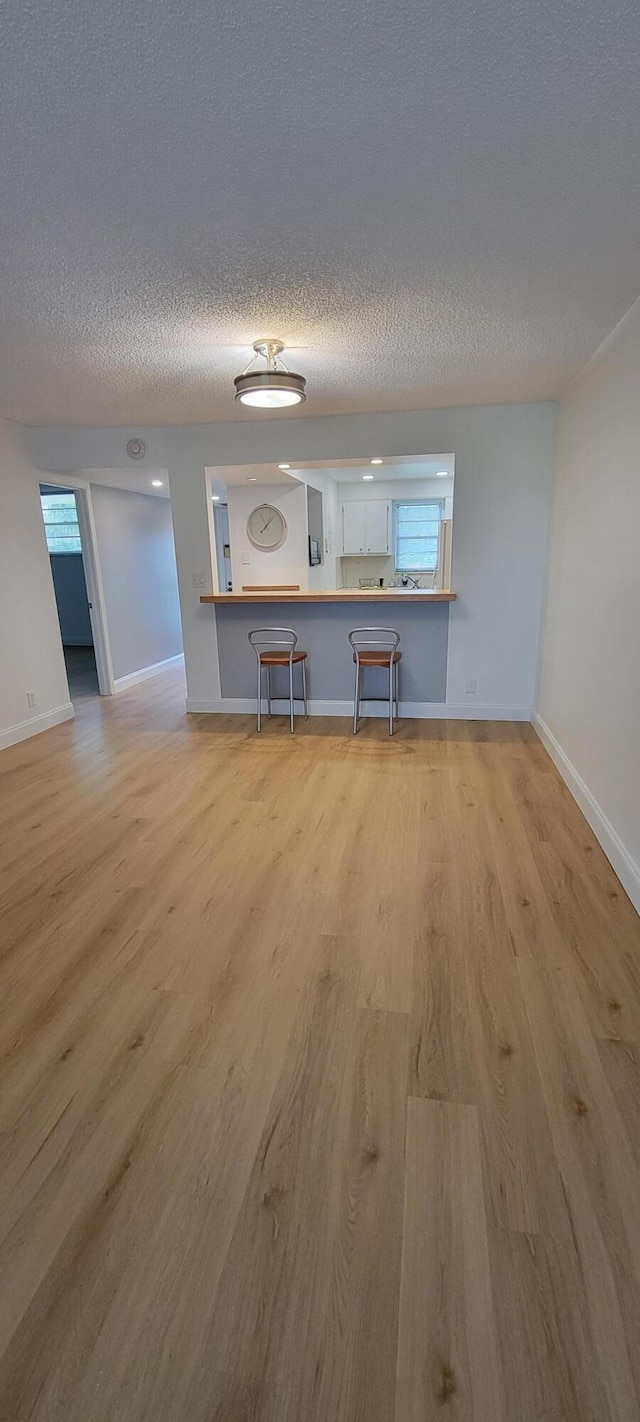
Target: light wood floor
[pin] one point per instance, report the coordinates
(320, 1077)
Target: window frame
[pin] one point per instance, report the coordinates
(396, 504)
(49, 527)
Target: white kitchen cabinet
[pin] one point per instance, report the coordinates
(353, 528)
(366, 527)
(377, 525)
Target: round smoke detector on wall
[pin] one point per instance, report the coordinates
(135, 448)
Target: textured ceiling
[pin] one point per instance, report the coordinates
(437, 203)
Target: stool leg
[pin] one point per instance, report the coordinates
(259, 694)
(291, 693)
(391, 696)
(397, 691)
(269, 692)
(304, 691)
(356, 699)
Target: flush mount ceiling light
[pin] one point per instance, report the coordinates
(368, 476)
(156, 484)
(375, 461)
(273, 388)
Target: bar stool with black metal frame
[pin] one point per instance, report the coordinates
(376, 647)
(277, 647)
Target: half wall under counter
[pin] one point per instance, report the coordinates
(322, 621)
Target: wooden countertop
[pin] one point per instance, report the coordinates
(340, 595)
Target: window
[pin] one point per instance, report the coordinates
(61, 522)
(417, 535)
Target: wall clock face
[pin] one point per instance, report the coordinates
(266, 528)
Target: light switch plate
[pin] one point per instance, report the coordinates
(199, 580)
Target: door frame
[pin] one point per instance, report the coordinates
(93, 577)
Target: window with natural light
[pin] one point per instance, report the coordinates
(417, 535)
(61, 522)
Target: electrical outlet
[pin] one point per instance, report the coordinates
(31, 698)
(471, 686)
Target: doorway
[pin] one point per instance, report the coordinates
(67, 519)
(223, 547)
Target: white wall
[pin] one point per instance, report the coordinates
(31, 656)
(137, 559)
(288, 564)
(325, 576)
(504, 465)
(400, 489)
(589, 701)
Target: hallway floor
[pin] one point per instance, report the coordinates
(81, 673)
(321, 1077)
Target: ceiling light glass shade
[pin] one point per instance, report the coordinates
(273, 388)
(270, 389)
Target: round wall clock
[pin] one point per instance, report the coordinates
(266, 528)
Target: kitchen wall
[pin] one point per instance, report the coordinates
(31, 656)
(589, 699)
(400, 489)
(134, 535)
(504, 468)
(326, 576)
(288, 564)
(352, 569)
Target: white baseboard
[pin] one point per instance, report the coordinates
(621, 860)
(122, 683)
(35, 725)
(416, 710)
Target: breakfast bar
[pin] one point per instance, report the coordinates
(322, 621)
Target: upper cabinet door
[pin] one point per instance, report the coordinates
(377, 524)
(354, 534)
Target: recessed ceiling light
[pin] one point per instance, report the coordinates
(273, 388)
(216, 498)
(368, 476)
(157, 483)
(253, 479)
(375, 461)
(284, 466)
(442, 474)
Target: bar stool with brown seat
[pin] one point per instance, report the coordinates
(376, 647)
(277, 647)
